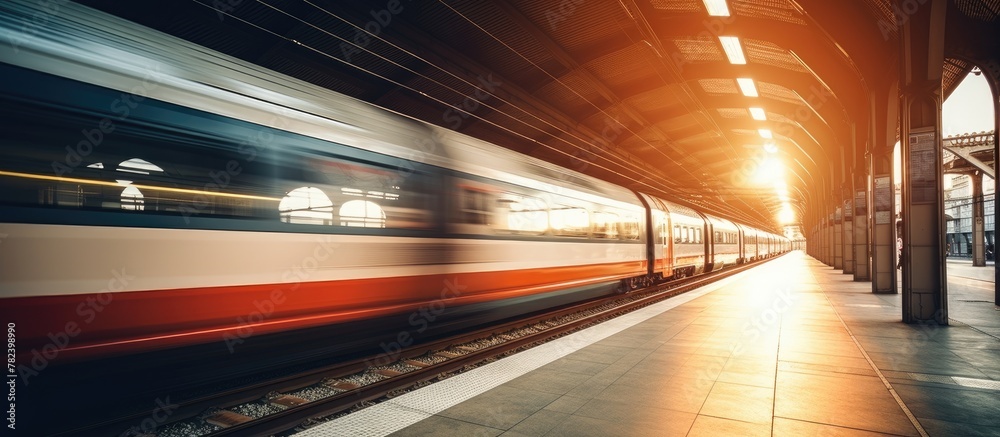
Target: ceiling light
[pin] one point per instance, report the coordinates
(770, 147)
(758, 114)
(765, 133)
(734, 51)
(747, 86)
(717, 8)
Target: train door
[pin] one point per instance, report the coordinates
(709, 244)
(662, 238)
(665, 245)
(741, 244)
(660, 246)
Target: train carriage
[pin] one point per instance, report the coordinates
(689, 231)
(725, 247)
(206, 188)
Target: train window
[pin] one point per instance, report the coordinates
(362, 214)
(520, 214)
(135, 165)
(132, 199)
(570, 221)
(476, 206)
(154, 174)
(697, 238)
(606, 225)
(402, 203)
(630, 229)
(677, 233)
(306, 205)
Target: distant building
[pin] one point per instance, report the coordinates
(958, 213)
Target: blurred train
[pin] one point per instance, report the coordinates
(154, 194)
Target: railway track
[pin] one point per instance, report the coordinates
(282, 404)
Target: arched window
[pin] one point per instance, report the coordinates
(362, 214)
(306, 205)
(137, 166)
(132, 199)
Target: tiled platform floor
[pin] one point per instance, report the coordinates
(792, 347)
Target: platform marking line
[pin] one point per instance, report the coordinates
(888, 385)
(398, 413)
(987, 384)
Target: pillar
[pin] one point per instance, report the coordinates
(862, 266)
(925, 285)
(978, 226)
(823, 248)
(848, 246)
(838, 238)
(883, 223)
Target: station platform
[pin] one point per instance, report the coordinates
(791, 347)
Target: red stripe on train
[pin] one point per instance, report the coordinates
(113, 323)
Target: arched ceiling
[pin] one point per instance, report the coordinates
(639, 92)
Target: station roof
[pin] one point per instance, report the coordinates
(640, 92)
